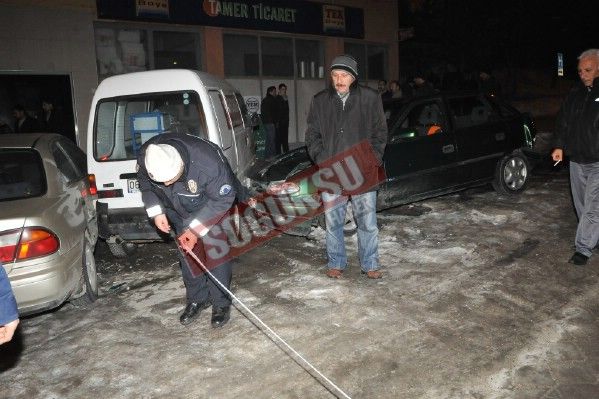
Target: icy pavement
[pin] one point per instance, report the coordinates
(477, 301)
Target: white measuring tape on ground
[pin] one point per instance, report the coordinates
(298, 358)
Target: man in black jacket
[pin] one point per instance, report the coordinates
(268, 112)
(340, 118)
(282, 140)
(187, 183)
(23, 122)
(577, 135)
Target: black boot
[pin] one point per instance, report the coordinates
(579, 259)
(192, 310)
(220, 316)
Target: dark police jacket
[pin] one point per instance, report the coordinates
(577, 131)
(204, 193)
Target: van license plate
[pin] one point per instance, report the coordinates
(132, 186)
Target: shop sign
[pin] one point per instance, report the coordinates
(259, 11)
(333, 18)
(252, 103)
(151, 8)
(292, 16)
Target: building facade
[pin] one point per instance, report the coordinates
(251, 43)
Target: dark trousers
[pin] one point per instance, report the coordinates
(199, 286)
(270, 145)
(282, 138)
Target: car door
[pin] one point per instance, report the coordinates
(481, 135)
(74, 203)
(420, 155)
(78, 160)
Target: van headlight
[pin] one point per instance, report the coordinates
(283, 188)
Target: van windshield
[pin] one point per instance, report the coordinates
(124, 124)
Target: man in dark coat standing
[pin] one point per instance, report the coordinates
(341, 117)
(268, 112)
(577, 135)
(23, 122)
(282, 128)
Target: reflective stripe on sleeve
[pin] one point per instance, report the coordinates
(198, 227)
(154, 211)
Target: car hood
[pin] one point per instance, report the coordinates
(284, 166)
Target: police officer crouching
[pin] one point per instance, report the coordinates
(187, 183)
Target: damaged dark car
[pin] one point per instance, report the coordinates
(437, 145)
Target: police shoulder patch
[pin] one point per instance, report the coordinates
(192, 186)
(224, 189)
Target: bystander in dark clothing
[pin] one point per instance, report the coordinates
(52, 120)
(282, 126)
(341, 117)
(488, 84)
(422, 87)
(5, 127)
(395, 89)
(268, 112)
(577, 136)
(23, 122)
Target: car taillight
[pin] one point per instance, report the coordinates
(8, 245)
(93, 189)
(27, 243)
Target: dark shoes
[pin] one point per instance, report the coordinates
(220, 316)
(192, 310)
(579, 259)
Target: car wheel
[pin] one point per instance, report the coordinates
(89, 278)
(120, 248)
(511, 174)
(349, 228)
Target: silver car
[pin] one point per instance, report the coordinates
(48, 227)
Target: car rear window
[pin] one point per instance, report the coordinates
(124, 124)
(21, 174)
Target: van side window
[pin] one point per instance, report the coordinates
(224, 124)
(234, 111)
(124, 124)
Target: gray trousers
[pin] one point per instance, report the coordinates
(584, 182)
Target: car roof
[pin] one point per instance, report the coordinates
(157, 81)
(25, 140)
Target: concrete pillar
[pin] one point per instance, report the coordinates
(213, 54)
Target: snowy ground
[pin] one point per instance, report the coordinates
(477, 301)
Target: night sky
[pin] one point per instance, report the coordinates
(484, 34)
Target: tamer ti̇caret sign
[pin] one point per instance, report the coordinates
(293, 16)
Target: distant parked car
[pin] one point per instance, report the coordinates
(437, 145)
(48, 227)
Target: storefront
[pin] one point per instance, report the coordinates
(253, 44)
